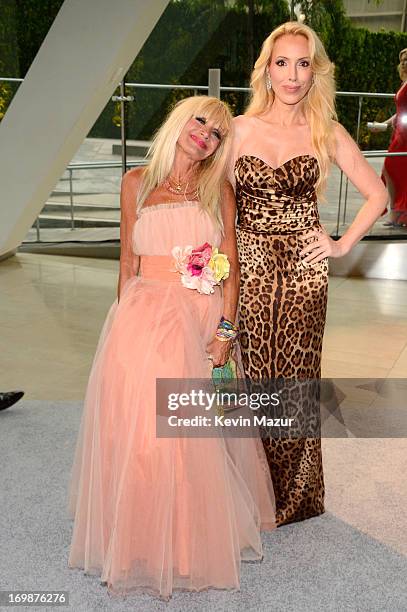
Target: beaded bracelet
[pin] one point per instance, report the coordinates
(226, 330)
(226, 324)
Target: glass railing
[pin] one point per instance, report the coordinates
(87, 198)
(87, 195)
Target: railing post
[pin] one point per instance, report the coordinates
(71, 199)
(123, 125)
(346, 201)
(339, 205)
(214, 82)
(359, 118)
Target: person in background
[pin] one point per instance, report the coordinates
(394, 170)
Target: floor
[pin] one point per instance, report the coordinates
(52, 309)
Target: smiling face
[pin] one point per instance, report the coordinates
(200, 137)
(290, 68)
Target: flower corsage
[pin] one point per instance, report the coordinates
(201, 268)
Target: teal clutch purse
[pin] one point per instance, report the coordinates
(225, 381)
(225, 375)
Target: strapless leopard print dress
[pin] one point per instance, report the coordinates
(282, 310)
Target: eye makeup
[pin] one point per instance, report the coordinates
(215, 131)
(304, 63)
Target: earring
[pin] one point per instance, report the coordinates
(268, 81)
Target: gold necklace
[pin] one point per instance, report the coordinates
(178, 188)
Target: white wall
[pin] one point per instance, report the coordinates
(388, 14)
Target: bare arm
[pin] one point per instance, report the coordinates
(229, 247)
(349, 159)
(237, 132)
(129, 262)
(218, 349)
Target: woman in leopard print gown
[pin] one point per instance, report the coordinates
(283, 148)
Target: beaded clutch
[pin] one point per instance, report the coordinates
(224, 375)
(225, 380)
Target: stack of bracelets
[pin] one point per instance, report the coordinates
(226, 330)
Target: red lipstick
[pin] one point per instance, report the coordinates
(201, 143)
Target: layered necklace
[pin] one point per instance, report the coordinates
(179, 187)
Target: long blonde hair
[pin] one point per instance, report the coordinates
(319, 101)
(401, 68)
(212, 171)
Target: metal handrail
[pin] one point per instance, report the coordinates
(367, 154)
(365, 94)
(88, 166)
(384, 153)
(107, 164)
(11, 79)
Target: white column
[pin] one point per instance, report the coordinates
(88, 49)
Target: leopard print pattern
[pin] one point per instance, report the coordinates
(282, 314)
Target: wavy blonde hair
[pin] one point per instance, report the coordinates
(319, 101)
(402, 70)
(212, 170)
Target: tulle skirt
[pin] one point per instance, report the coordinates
(156, 514)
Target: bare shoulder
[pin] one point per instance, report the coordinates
(345, 146)
(342, 136)
(241, 124)
(132, 178)
(129, 191)
(239, 119)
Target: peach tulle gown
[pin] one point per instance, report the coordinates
(157, 514)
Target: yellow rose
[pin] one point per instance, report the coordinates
(220, 265)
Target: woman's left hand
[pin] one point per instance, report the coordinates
(218, 352)
(322, 246)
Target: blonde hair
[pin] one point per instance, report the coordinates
(212, 170)
(402, 69)
(319, 101)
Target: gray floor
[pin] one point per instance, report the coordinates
(321, 564)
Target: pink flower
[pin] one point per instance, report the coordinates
(200, 268)
(198, 259)
(181, 257)
(203, 283)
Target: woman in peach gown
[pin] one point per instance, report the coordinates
(154, 514)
